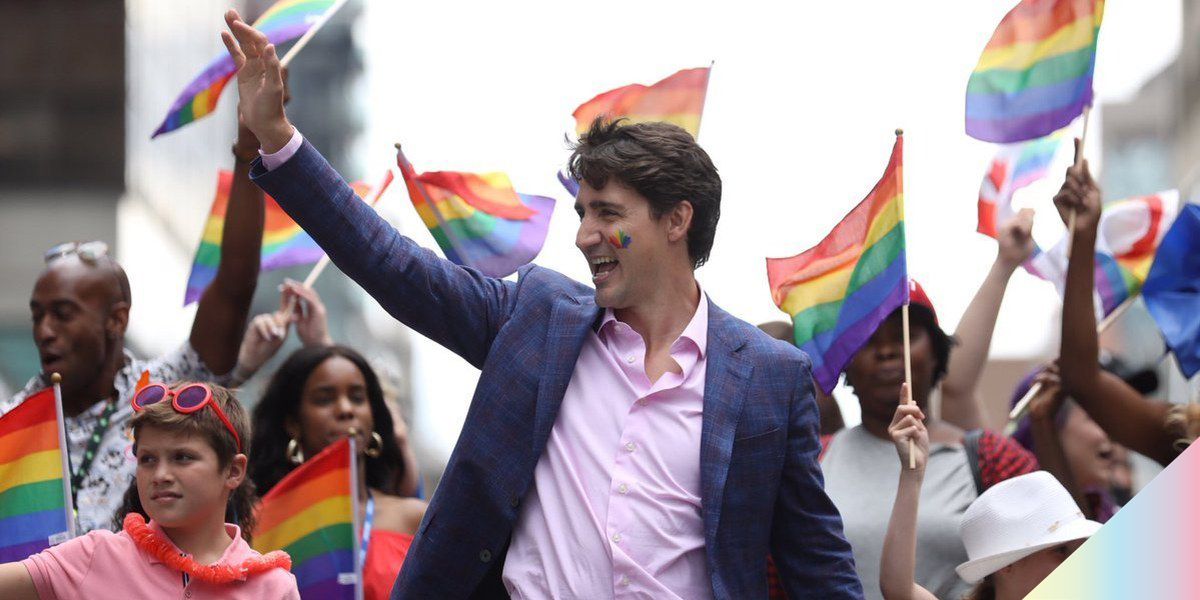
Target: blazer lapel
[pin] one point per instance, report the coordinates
(726, 376)
(570, 321)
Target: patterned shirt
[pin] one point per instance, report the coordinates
(104, 486)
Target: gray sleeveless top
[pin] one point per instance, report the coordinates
(861, 474)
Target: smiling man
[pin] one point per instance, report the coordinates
(631, 440)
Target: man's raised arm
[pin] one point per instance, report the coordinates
(454, 306)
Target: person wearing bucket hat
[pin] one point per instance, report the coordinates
(859, 464)
(1015, 533)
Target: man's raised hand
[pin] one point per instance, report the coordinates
(260, 83)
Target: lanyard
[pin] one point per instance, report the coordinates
(368, 518)
(89, 454)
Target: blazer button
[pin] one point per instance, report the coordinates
(485, 555)
(514, 501)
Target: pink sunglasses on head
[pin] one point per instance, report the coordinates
(186, 400)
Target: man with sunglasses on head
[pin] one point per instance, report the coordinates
(80, 307)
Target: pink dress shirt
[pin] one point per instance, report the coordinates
(103, 564)
(614, 509)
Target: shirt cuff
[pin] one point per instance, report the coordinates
(276, 159)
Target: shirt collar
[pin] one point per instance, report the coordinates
(696, 330)
(237, 551)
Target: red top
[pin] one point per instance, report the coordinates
(385, 555)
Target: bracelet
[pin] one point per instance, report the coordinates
(243, 156)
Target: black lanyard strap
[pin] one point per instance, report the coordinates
(89, 454)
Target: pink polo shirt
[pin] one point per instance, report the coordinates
(103, 564)
(614, 509)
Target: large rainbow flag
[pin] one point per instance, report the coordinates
(839, 291)
(678, 99)
(284, 243)
(479, 221)
(1035, 74)
(311, 514)
(35, 507)
(284, 21)
(1129, 234)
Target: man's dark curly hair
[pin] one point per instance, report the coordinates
(660, 161)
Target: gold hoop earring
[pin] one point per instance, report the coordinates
(375, 447)
(294, 453)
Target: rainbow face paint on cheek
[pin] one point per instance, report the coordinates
(620, 240)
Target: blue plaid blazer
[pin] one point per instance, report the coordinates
(762, 490)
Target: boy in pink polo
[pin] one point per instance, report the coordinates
(191, 471)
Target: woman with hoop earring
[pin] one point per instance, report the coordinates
(322, 394)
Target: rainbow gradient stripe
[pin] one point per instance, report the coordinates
(34, 512)
(1035, 74)
(284, 243)
(310, 515)
(284, 21)
(474, 221)
(839, 291)
(1148, 550)
(678, 99)
(1014, 167)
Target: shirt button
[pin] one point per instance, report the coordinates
(623, 488)
(630, 446)
(485, 555)
(630, 360)
(616, 538)
(624, 580)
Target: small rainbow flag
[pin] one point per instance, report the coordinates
(35, 507)
(1129, 234)
(285, 21)
(1014, 167)
(479, 221)
(839, 291)
(678, 99)
(1035, 74)
(311, 515)
(284, 243)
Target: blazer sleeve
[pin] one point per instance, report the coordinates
(455, 306)
(807, 544)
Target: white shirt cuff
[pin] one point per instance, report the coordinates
(276, 159)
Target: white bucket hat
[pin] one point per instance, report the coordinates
(1016, 518)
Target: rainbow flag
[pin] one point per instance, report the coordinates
(285, 21)
(35, 507)
(1129, 234)
(1035, 74)
(479, 221)
(839, 291)
(284, 243)
(311, 515)
(678, 99)
(1014, 167)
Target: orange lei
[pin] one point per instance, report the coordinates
(146, 539)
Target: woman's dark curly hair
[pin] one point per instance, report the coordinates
(281, 402)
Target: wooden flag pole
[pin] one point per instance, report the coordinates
(308, 35)
(1087, 112)
(68, 497)
(912, 459)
